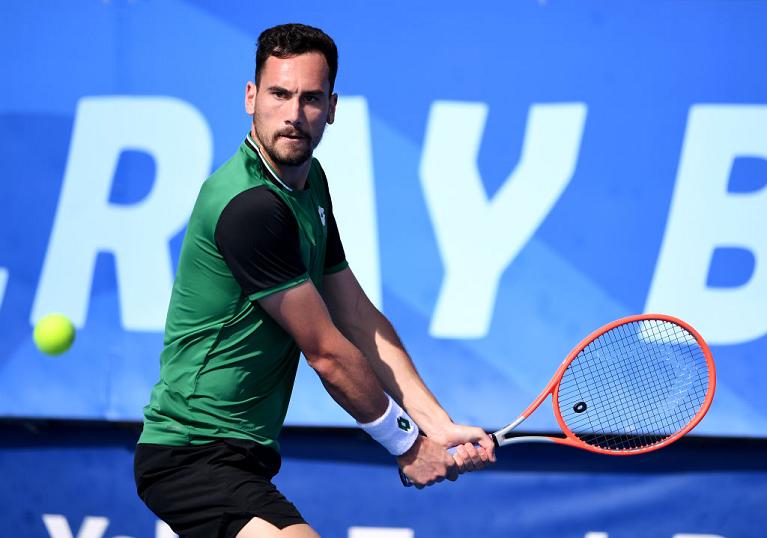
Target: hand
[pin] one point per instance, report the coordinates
(427, 463)
(468, 457)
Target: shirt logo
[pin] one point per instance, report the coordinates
(321, 211)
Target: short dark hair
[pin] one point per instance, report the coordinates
(287, 40)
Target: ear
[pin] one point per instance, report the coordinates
(250, 98)
(332, 108)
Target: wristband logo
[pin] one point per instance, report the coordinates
(404, 424)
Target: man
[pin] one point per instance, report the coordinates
(262, 277)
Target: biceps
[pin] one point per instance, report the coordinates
(301, 311)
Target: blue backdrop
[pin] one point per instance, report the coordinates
(346, 486)
(506, 180)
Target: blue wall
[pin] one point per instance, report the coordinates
(506, 179)
(343, 480)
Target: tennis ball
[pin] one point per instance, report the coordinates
(54, 334)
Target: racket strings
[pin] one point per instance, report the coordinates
(634, 386)
(629, 419)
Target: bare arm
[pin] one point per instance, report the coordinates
(364, 325)
(361, 322)
(342, 368)
(347, 374)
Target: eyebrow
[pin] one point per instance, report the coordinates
(314, 93)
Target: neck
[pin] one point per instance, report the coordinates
(292, 176)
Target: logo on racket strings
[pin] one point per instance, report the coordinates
(404, 424)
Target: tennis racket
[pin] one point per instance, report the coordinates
(633, 386)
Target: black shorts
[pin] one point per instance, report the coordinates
(212, 490)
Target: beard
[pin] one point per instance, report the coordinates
(285, 153)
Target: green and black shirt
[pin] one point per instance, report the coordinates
(227, 368)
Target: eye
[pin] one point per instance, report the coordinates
(280, 94)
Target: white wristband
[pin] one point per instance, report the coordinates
(395, 430)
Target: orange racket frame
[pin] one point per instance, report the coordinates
(501, 437)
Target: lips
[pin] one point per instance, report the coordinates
(293, 136)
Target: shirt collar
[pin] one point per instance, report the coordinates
(252, 145)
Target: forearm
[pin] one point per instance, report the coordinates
(372, 333)
(343, 369)
(349, 379)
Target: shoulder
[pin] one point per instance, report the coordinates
(256, 207)
(319, 178)
(257, 234)
(318, 172)
(259, 199)
(224, 184)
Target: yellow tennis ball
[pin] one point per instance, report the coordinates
(54, 334)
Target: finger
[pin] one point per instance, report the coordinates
(417, 484)
(475, 460)
(471, 456)
(486, 442)
(462, 459)
(452, 470)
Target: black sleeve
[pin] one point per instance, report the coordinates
(334, 249)
(334, 252)
(258, 237)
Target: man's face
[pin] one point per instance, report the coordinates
(291, 106)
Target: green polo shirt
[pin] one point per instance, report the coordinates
(227, 368)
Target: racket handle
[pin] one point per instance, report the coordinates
(452, 450)
(405, 480)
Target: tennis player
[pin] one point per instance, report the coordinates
(262, 277)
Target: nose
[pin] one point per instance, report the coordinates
(294, 112)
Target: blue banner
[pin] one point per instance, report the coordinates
(506, 180)
(348, 487)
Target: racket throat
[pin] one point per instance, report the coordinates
(528, 439)
(505, 435)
